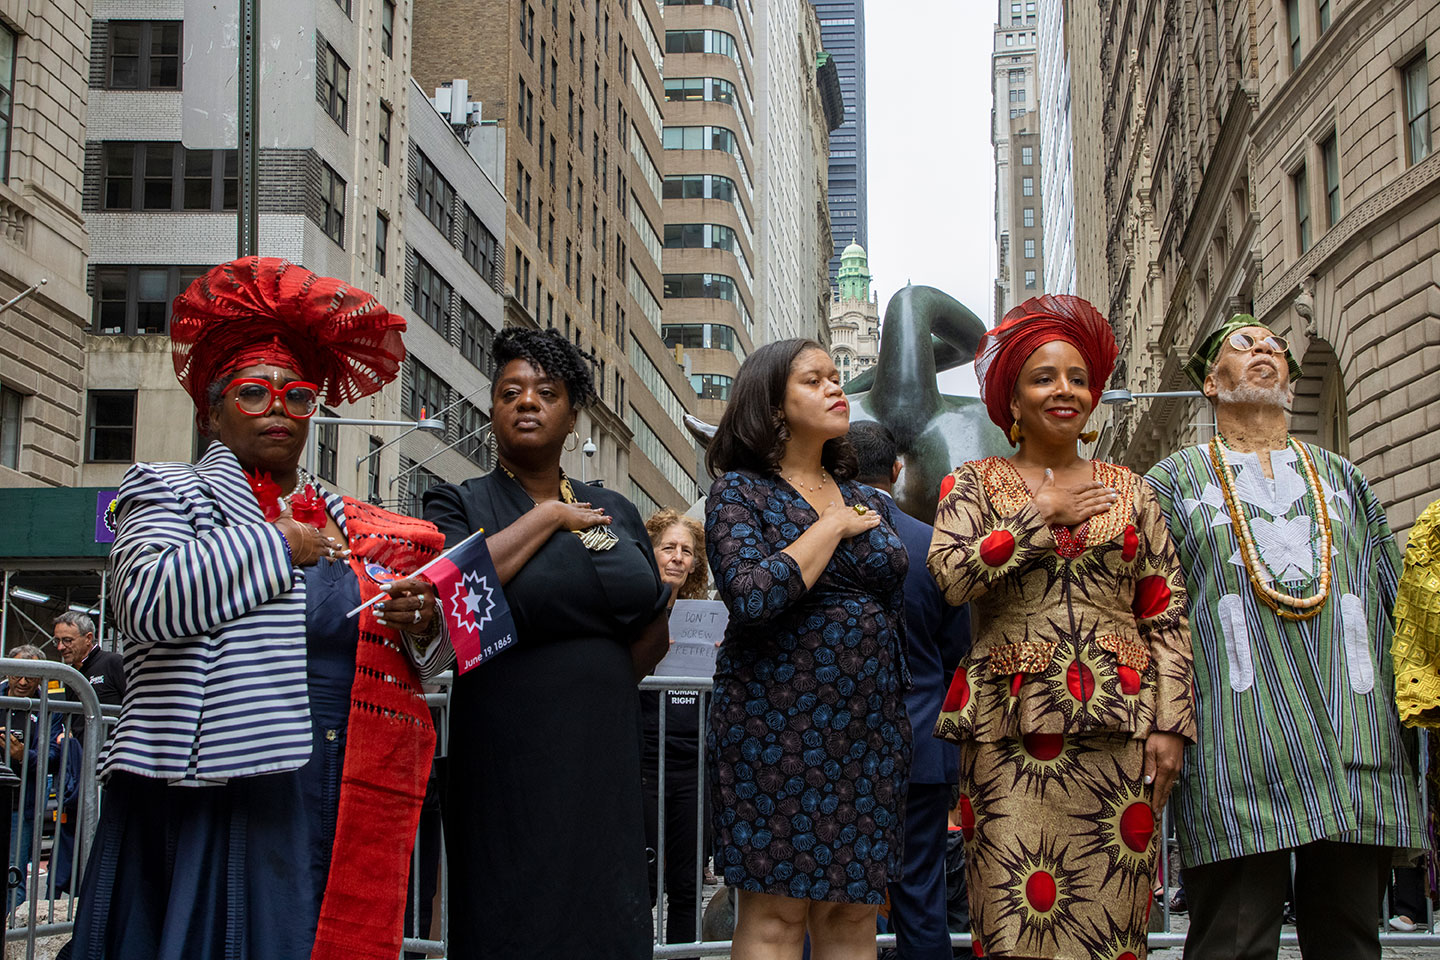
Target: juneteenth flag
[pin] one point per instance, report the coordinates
(468, 596)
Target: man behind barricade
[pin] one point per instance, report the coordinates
(26, 746)
(937, 635)
(74, 636)
(1292, 574)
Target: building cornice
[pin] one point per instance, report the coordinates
(1419, 183)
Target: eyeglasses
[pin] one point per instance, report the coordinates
(255, 397)
(1244, 342)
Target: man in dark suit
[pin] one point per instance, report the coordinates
(938, 635)
(74, 635)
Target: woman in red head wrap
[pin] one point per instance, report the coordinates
(1073, 705)
(301, 733)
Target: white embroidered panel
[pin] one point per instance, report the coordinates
(1356, 632)
(1237, 642)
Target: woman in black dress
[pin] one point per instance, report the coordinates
(808, 741)
(543, 824)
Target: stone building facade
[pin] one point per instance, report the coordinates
(1277, 159)
(44, 58)
(1347, 194)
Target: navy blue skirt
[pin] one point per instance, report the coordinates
(233, 872)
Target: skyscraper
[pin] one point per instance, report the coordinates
(1019, 223)
(842, 31)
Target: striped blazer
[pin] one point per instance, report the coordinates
(213, 619)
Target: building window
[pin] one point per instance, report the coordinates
(386, 118)
(430, 295)
(436, 197)
(480, 246)
(1029, 248)
(1292, 16)
(110, 426)
(1027, 156)
(11, 403)
(1029, 279)
(137, 299)
(166, 176)
(1017, 96)
(331, 209)
(372, 471)
(1322, 13)
(1301, 183)
(1417, 108)
(427, 392)
(1028, 217)
(474, 432)
(711, 386)
(477, 339)
(141, 54)
(327, 446)
(387, 27)
(1330, 152)
(702, 336)
(1027, 186)
(382, 241)
(333, 88)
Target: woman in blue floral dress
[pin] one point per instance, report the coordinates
(808, 743)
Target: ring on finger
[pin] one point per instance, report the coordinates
(417, 616)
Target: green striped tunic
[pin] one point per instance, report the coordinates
(1299, 738)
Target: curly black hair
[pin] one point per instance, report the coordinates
(548, 350)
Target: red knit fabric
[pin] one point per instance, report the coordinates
(1028, 327)
(390, 742)
(268, 310)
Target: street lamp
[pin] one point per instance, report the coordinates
(429, 424)
(1123, 396)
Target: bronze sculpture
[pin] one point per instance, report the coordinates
(926, 331)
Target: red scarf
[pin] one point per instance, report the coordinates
(389, 747)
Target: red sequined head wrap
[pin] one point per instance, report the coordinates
(268, 310)
(1028, 327)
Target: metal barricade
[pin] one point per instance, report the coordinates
(419, 941)
(1166, 937)
(49, 807)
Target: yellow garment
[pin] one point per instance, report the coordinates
(1417, 625)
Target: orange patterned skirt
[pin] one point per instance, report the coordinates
(1060, 846)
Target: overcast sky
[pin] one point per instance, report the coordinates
(932, 168)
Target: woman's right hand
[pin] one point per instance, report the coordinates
(577, 516)
(308, 544)
(847, 522)
(1071, 506)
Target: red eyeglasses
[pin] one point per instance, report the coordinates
(256, 397)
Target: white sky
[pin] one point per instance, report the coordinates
(932, 167)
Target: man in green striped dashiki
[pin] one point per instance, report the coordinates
(1292, 573)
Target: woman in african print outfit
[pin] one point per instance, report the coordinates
(1073, 707)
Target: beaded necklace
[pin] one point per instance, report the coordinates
(1286, 606)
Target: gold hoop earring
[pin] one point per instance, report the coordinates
(1015, 434)
(569, 447)
(1090, 436)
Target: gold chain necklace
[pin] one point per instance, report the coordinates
(596, 538)
(1284, 605)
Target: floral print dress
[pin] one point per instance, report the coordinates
(808, 746)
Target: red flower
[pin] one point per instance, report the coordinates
(267, 494)
(309, 507)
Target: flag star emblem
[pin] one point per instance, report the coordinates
(471, 594)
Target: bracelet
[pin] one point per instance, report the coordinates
(289, 553)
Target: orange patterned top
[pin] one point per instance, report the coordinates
(1079, 632)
